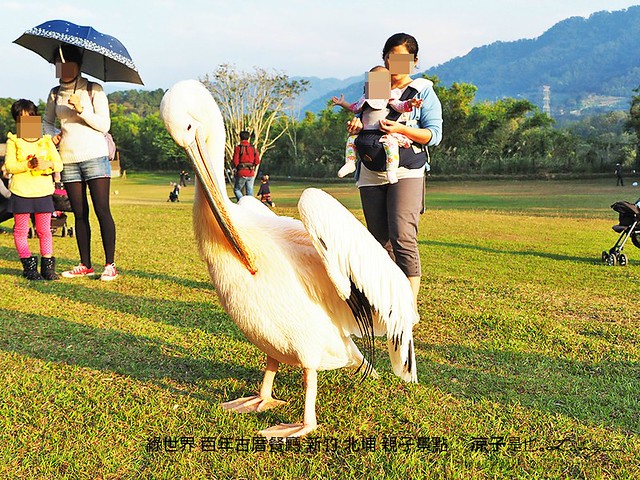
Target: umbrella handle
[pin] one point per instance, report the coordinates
(75, 85)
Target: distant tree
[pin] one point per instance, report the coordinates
(633, 124)
(456, 101)
(253, 101)
(499, 132)
(604, 140)
(323, 139)
(141, 102)
(143, 141)
(6, 120)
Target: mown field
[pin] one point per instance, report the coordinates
(528, 352)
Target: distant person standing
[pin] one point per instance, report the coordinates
(245, 162)
(184, 178)
(619, 180)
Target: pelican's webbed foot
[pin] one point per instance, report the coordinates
(285, 430)
(252, 404)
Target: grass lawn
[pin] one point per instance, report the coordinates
(528, 352)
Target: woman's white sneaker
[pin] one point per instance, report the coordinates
(79, 271)
(110, 272)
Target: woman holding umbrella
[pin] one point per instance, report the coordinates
(83, 111)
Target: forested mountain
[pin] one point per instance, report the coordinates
(318, 88)
(579, 58)
(591, 64)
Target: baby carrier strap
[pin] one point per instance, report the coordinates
(408, 94)
(413, 89)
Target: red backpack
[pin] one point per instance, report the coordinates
(247, 157)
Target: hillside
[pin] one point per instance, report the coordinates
(579, 58)
(319, 88)
(591, 64)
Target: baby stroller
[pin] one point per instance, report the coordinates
(4, 199)
(59, 217)
(628, 226)
(4, 214)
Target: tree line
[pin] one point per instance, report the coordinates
(507, 136)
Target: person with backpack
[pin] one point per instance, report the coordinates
(245, 162)
(392, 211)
(83, 110)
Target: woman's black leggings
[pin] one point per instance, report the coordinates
(77, 192)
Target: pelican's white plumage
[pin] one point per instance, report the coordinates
(298, 290)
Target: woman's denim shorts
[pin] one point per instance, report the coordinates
(86, 170)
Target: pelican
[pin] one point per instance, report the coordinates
(299, 290)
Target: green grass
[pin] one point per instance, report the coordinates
(525, 337)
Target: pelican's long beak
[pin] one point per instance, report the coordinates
(216, 199)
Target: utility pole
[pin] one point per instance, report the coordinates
(546, 99)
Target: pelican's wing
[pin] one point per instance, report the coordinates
(364, 275)
(255, 205)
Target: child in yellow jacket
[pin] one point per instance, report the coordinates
(32, 159)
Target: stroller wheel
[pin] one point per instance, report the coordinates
(605, 256)
(612, 260)
(622, 260)
(63, 233)
(70, 231)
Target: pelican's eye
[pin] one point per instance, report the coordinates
(189, 127)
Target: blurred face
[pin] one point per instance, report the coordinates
(29, 126)
(66, 71)
(377, 85)
(399, 61)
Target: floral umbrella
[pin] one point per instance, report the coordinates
(104, 57)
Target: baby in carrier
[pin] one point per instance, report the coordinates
(373, 106)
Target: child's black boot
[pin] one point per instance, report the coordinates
(48, 268)
(30, 266)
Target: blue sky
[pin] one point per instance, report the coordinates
(171, 40)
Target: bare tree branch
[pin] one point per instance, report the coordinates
(253, 101)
